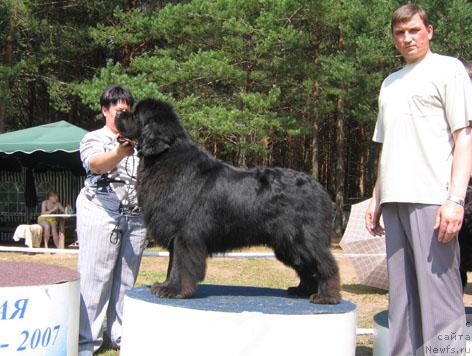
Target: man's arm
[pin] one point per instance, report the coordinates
(450, 214)
(372, 215)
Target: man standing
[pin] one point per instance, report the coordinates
(423, 124)
(110, 227)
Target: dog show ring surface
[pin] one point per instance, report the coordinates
(39, 309)
(235, 320)
(381, 344)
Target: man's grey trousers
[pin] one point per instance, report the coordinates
(426, 311)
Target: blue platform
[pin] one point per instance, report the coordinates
(237, 299)
(239, 321)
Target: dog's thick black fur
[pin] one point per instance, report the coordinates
(195, 205)
(465, 238)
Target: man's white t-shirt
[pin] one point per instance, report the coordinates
(420, 106)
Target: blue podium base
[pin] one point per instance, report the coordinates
(235, 320)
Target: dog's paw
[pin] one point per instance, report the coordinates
(297, 292)
(163, 290)
(301, 291)
(155, 287)
(325, 299)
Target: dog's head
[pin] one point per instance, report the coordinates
(128, 127)
(159, 126)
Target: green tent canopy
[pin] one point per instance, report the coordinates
(52, 146)
(49, 138)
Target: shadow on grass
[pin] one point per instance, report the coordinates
(104, 351)
(361, 289)
(468, 289)
(363, 351)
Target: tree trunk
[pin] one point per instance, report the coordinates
(340, 163)
(340, 156)
(2, 116)
(242, 154)
(7, 61)
(363, 160)
(314, 148)
(311, 104)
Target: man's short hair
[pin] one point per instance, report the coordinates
(114, 94)
(406, 12)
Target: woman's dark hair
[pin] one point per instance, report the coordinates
(114, 94)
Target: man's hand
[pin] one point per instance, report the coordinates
(372, 218)
(449, 221)
(450, 214)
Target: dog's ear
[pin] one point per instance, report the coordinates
(156, 124)
(153, 148)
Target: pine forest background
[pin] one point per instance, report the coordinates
(290, 83)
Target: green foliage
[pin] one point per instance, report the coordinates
(241, 71)
(90, 91)
(251, 79)
(122, 31)
(453, 25)
(219, 55)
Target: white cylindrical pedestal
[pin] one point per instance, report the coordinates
(381, 343)
(39, 310)
(231, 320)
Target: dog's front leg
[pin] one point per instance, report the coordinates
(171, 257)
(155, 286)
(187, 266)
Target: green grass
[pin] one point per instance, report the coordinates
(268, 273)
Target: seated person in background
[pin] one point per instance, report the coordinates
(50, 225)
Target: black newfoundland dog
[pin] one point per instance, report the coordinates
(195, 205)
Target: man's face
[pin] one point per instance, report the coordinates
(412, 38)
(110, 113)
